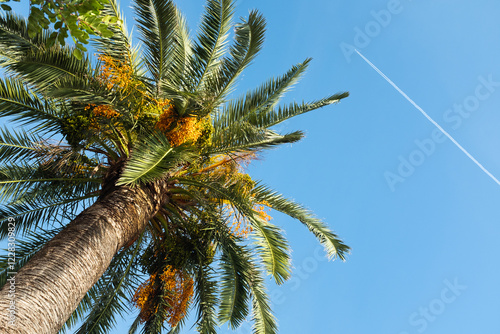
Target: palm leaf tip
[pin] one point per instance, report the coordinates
(335, 247)
(337, 97)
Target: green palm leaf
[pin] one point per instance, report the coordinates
(14, 38)
(270, 242)
(261, 99)
(24, 106)
(235, 280)
(249, 138)
(264, 321)
(17, 180)
(249, 37)
(18, 145)
(273, 248)
(271, 118)
(135, 325)
(153, 159)
(333, 245)
(209, 49)
(42, 212)
(44, 68)
(206, 299)
(176, 82)
(157, 22)
(119, 45)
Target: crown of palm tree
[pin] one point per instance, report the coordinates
(135, 118)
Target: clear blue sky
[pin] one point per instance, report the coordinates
(421, 217)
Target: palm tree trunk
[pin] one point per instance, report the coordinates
(52, 284)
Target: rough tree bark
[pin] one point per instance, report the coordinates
(52, 284)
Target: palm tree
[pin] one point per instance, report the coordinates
(127, 178)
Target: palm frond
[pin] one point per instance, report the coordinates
(176, 82)
(157, 21)
(18, 179)
(217, 191)
(261, 99)
(206, 300)
(135, 325)
(333, 245)
(38, 192)
(43, 68)
(154, 324)
(85, 90)
(119, 45)
(39, 213)
(245, 137)
(249, 37)
(177, 328)
(14, 38)
(273, 249)
(270, 242)
(153, 158)
(264, 321)
(274, 117)
(211, 42)
(18, 145)
(235, 280)
(26, 107)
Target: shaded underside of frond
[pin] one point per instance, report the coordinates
(19, 145)
(14, 38)
(264, 321)
(25, 107)
(206, 300)
(41, 212)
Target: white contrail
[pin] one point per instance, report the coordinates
(429, 118)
